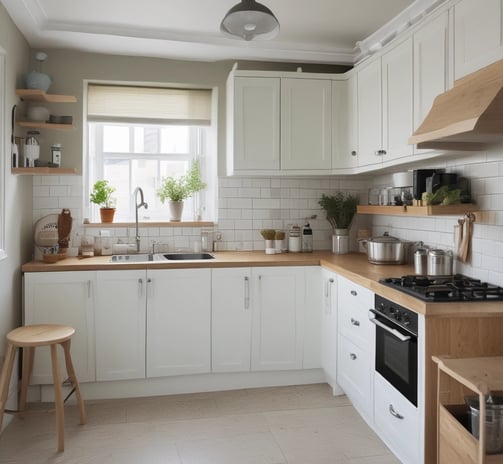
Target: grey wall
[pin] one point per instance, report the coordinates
(18, 189)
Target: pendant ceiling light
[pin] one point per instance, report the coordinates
(250, 20)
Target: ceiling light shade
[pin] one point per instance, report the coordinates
(250, 20)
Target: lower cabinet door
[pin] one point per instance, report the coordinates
(178, 322)
(120, 324)
(355, 372)
(231, 315)
(397, 422)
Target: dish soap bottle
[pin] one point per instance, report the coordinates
(307, 239)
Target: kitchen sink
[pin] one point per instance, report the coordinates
(187, 256)
(133, 258)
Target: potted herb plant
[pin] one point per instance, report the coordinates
(340, 210)
(176, 190)
(102, 196)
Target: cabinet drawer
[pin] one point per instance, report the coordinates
(388, 405)
(354, 375)
(353, 306)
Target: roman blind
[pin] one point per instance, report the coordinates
(150, 105)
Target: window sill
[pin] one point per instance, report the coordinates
(110, 225)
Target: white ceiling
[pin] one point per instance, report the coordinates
(319, 31)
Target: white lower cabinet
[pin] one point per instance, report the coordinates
(278, 318)
(178, 322)
(397, 422)
(231, 320)
(121, 299)
(62, 298)
(355, 347)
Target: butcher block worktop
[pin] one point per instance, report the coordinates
(353, 266)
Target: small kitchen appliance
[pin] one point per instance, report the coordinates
(419, 177)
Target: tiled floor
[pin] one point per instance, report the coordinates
(281, 425)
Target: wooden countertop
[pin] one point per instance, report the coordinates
(353, 266)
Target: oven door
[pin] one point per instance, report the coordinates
(396, 355)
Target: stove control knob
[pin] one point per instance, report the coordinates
(406, 320)
(398, 315)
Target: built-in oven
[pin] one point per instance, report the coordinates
(396, 346)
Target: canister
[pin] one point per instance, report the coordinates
(421, 261)
(439, 262)
(294, 240)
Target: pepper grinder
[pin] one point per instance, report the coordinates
(307, 239)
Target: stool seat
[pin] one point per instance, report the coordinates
(28, 338)
(40, 335)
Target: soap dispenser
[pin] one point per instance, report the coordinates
(307, 239)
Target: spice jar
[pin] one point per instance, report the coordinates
(294, 241)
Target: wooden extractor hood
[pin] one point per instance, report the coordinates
(467, 117)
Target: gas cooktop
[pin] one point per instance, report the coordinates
(445, 288)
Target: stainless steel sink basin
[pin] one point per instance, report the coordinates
(134, 258)
(187, 256)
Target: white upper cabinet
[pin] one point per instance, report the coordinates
(369, 113)
(254, 121)
(478, 35)
(306, 124)
(344, 124)
(397, 101)
(431, 69)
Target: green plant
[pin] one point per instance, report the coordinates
(339, 209)
(178, 189)
(102, 194)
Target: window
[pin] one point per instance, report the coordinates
(139, 135)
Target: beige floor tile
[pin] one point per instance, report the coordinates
(284, 425)
(255, 448)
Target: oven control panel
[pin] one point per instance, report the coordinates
(400, 315)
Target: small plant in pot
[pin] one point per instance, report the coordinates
(340, 210)
(175, 190)
(102, 196)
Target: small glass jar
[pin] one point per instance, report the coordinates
(294, 240)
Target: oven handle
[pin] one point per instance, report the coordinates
(396, 333)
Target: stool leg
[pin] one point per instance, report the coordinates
(73, 379)
(28, 355)
(5, 378)
(58, 396)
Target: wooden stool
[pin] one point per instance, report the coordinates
(28, 337)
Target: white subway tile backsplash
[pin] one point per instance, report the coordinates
(260, 203)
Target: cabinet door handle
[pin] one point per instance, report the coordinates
(140, 288)
(353, 356)
(89, 283)
(394, 413)
(149, 286)
(353, 153)
(247, 293)
(355, 322)
(354, 292)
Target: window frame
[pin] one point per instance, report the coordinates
(3, 143)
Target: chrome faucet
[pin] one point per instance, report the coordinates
(137, 191)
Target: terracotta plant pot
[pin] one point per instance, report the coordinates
(107, 214)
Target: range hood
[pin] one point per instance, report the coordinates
(467, 117)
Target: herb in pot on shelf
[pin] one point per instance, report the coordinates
(102, 196)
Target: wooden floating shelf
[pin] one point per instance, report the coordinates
(43, 171)
(109, 225)
(430, 210)
(35, 95)
(44, 125)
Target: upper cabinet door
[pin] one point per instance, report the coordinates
(430, 66)
(345, 124)
(397, 101)
(256, 122)
(478, 39)
(369, 113)
(306, 124)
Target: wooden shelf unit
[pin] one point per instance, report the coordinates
(44, 125)
(35, 95)
(43, 171)
(431, 210)
(481, 376)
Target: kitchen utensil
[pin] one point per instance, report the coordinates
(31, 149)
(421, 261)
(465, 233)
(493, 422)
(64, 228)
(386, 249)
(439, 262)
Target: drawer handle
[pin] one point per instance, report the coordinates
(354, 293)
(394, 413)
(352, 356)
(355, 322)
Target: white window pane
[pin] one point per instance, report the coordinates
(173, 168)
(116, 139)
(175, 139)
(117, 173)
(138, 140)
